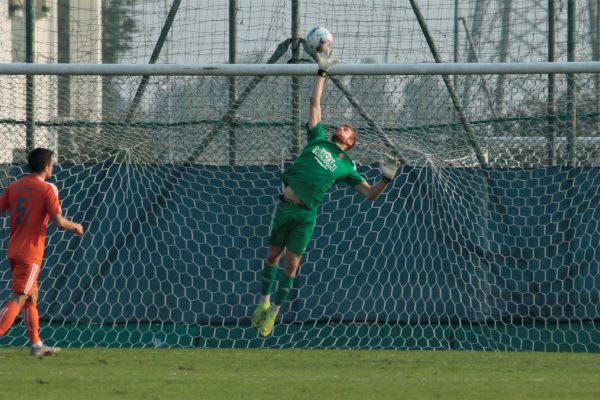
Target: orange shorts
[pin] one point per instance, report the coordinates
(24, 276)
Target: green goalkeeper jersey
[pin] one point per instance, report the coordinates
(319, 167)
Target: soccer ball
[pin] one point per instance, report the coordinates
(318, 39)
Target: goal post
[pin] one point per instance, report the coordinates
(580, 67)
(177, 200)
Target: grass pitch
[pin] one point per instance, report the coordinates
(297, 374)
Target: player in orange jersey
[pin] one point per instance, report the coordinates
(31, 202)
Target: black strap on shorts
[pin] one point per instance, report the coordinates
(284, 200)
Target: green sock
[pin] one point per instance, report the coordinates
(283, 288)
(269, 272)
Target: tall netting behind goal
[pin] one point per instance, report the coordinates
(486, 239)
(456, 254)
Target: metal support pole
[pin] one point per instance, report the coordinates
(29, 79)
(482, 83)
(504, 44)
(232, 80)
(593, 7)
(551, 99)
(296, 106)
(597, 58)
(456, 37)
(476, 24)
(571, 85)
(64, 56)
(67, 147)
(388, 33)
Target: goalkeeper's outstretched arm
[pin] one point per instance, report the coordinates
(314, 109)
(325, 61)
(369, 192)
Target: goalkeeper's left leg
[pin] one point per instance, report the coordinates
(269, 273)
(284, 286)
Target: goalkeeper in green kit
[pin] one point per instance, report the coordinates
(321, 165)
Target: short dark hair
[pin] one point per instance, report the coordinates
(38, 159)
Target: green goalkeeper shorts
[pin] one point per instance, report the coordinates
(292, 227)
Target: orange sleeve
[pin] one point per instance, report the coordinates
(52, 202)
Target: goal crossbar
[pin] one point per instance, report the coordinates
(299, 69)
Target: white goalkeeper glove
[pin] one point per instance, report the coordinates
(388, 171)
(325, 60)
